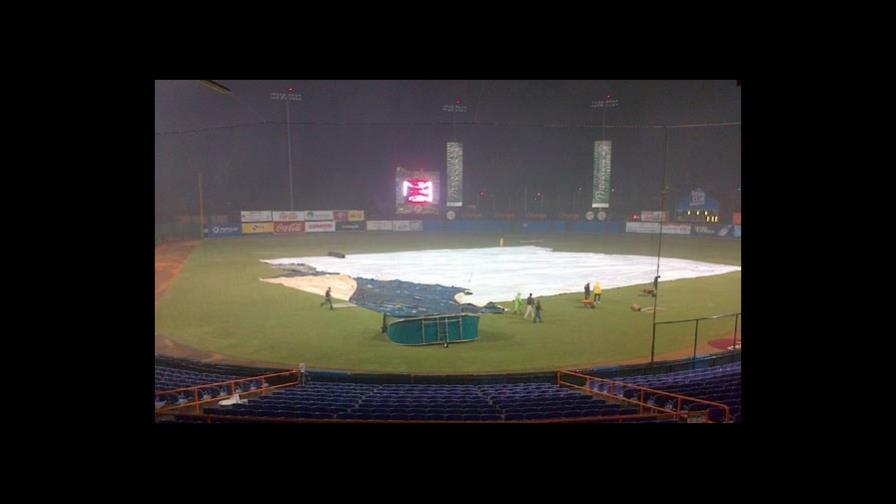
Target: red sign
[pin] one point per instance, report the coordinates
(735, 219)
(289, 227)
(417, 190)
(340, 215)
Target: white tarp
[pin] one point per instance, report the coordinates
(496, 274)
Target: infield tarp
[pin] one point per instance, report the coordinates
(497, 273)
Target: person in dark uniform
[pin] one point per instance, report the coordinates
(328, 299)
(530, 304)
(587, 290)
(537, 312)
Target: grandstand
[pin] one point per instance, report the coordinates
(269, 194)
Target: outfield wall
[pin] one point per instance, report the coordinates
(310, 221)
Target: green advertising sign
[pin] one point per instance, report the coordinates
(455, 174)
(601, 193)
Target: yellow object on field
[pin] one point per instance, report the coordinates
(501, 242)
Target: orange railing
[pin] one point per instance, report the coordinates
(615, 390)
(194, 390)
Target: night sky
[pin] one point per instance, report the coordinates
(348, 137)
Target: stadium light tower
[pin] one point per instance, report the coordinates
(603, 105)
(454, 109)
(288, 96)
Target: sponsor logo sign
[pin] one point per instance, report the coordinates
(704, 230)
(642, 227)
(455, 163)
(224, 230)
(350, 226)
(416, 225)
(340, 215)
(289, 216)
(602, 156)
(320, 227)
(288, 227)
(355, 215)
(676, 229)
(318, 215)
(651, 216)
(401, 225)
(256, 216)
(698, 197)
(654, 227)
(258, 227)
(373, 225)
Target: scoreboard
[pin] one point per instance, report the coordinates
(417, 191)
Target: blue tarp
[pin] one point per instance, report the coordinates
(398, 298)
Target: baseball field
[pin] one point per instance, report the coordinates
(211, 306)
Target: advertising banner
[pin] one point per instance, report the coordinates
(642, 227)
(320, 227)
(654, 227)
(289, 216)
(340, 215)
(258, 227)
(318, 215)
(256, 216)
(350, 226)
(218, 230)
(288, 227)
(455, 174)
(601, 193)
(416, 225)
(652, 216)
(701, 229)
(677, 229)
(735, 219)
(355, 215)
(373, 225)
(401, 225)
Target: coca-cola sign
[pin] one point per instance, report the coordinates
(289, 227)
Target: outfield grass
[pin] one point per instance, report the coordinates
(217, 304)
